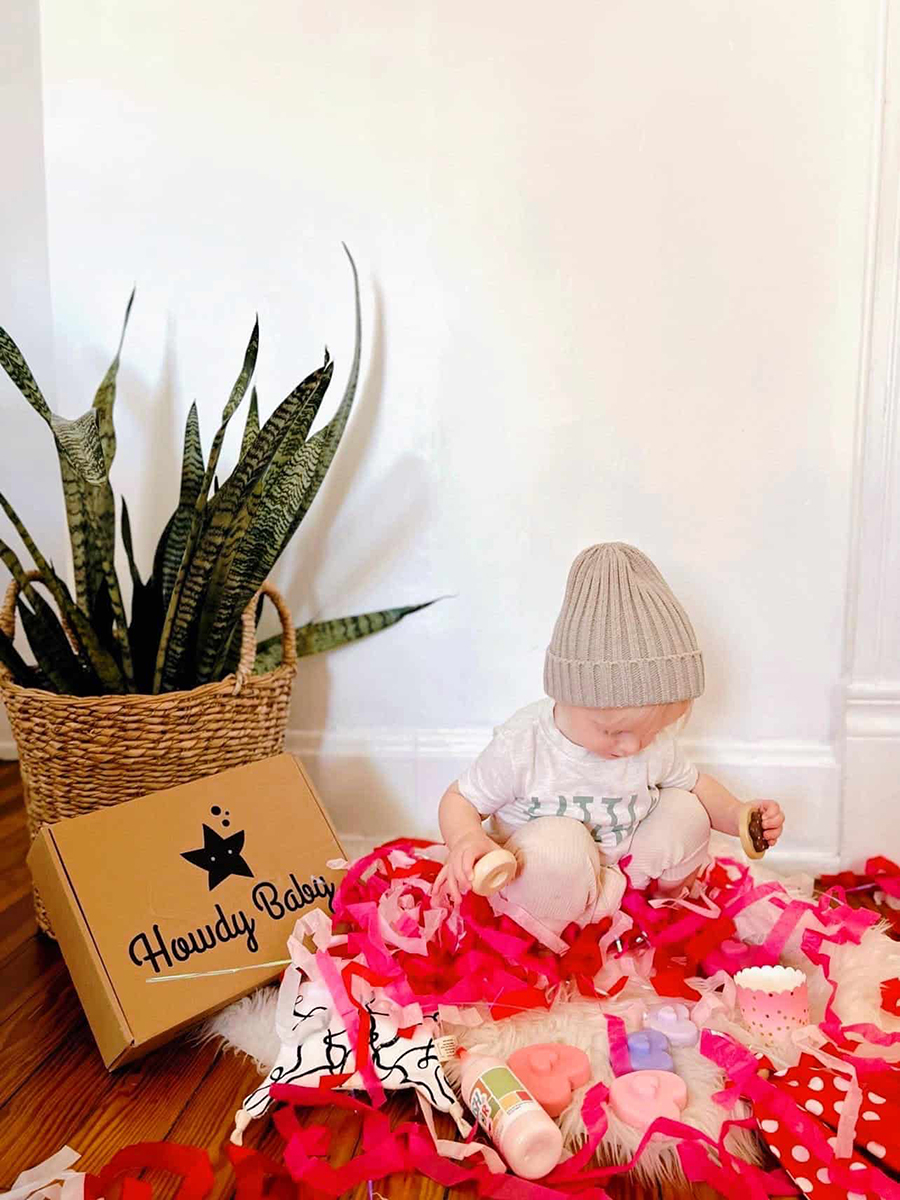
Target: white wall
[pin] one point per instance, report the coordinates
(29, 476)
(612, 271)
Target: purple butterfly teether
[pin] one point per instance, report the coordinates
(674, 1021)
(649, 1050)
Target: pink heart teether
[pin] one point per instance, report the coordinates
(642, 1096)
(551, 1071)
(674, 1021)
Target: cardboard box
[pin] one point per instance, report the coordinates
(205, 877)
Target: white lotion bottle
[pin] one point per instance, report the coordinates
(529, 1140)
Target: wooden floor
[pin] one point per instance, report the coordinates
(55, 1091)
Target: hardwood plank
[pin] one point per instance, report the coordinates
(33, 1035)
(52, 1102)
(36, 963)
(139, 1102)
(207, 1117)
(17, 923)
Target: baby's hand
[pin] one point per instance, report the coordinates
(456, 874)
(772, 819)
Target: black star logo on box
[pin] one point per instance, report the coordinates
(219, 857)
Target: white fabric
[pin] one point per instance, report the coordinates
(532, 770)
(315, 1042)
(50, 1180)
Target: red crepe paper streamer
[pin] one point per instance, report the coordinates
(191, 1163)
(890, 996)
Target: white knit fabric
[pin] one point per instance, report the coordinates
(621, 639)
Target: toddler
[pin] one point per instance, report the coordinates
(594, 776)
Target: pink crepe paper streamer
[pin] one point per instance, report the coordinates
(460, 1150)
(810, 1039)
(619, 1056)
(811, 946)
(621, 923)
(539, 931)
(405, 1149)
(348, 1012)
(710, 1001)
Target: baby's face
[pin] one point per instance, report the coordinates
(615, 732)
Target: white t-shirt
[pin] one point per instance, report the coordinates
(532, 770)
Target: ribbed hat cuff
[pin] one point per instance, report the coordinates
(624, 684)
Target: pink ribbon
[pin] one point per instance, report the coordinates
(619, 1056)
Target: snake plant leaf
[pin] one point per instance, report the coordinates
(13, 363)
(105, 397)
(87, 565)
(81, 463)
(147, 612)
(287, 494)
(251, 425)
(55, 657)
(21, 673)
(129, 546)
(172, 543)
(233, 512)
(79, 440)
(189, 587)
(101, 660)
(320, 636)
(53, 641)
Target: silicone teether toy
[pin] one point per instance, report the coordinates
(551, 1072)
(493, 872)
(649, 1050)
(674, 1021)
(641, 1097)
(753, 839)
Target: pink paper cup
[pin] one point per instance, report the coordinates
(773, 1001)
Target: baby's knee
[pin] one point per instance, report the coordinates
(558, 869)
(672, 843)
(683, 807)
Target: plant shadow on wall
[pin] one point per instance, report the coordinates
(214, 554)
(397, 498)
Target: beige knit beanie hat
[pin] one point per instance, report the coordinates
(621, 640)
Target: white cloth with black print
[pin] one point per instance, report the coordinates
(315, 1042)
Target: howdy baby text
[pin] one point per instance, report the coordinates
(158, 951)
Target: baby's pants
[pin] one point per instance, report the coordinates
(564, 875)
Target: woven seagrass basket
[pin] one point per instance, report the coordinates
(81, 753)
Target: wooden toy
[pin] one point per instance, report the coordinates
(753, 838)
(493, 872)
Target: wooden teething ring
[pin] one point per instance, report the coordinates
(493, 872)
(744, 829)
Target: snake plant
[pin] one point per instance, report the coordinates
(217, 548)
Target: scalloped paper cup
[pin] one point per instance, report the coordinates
(773, 1001)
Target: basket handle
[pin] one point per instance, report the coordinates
(8, 614)
(248, 635)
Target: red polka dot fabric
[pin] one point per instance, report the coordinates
(821, 1093)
